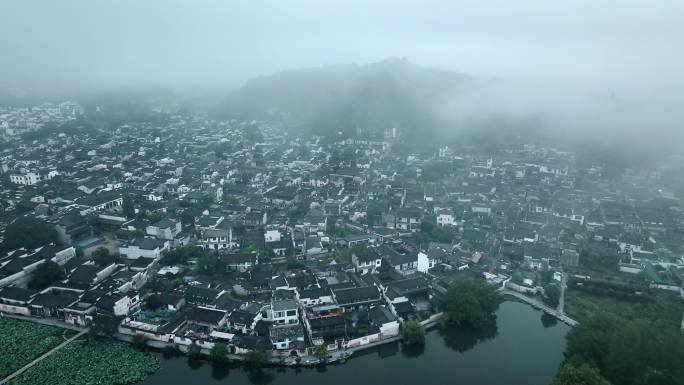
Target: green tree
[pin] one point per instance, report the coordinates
(414, 333)
(628, 352)
(430, 232)
(139, 341)
(153, 302)
(589, 341)
(194, 351)
(642, 354)
(293, 263)
(102, 257)
(321, 351)
(208, 263)
(552, 294)
(219, 352)
(104, 325)
(154, 217)
(170, 351)
(205, 202)
(128, 207)
(471, 302)
(545, 276)
(181, 255)
(256, 359)
(601, 256)
(45, 274)
(579, 375)
(29, 233)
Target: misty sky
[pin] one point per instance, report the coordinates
(615, 44)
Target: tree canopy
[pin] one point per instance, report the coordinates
(128, 207)
(28, 232)
(414, 333)
(430, 232)
(321, 351)
(102, 257)
(208, 263)
(194, 351)
(45, 274)
(552, 294)
(181, 255)
(255, 360)
(471, 302)
(579, 375)
(139, 341)
(218, 352)
(104, 325)
(153, 302)
(628, 352)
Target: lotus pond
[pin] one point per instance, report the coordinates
(91, 363)
(22, 341)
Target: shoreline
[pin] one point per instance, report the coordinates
(338, 356)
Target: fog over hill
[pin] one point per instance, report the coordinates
(426, 102)
(344, 97)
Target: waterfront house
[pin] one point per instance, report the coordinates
(357, 297)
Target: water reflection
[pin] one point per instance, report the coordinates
(462, 339)
(412, 350)
(388, 350)
(194, 364)
(447, 354)
(260, 376)
(220, 371)
(548, 320)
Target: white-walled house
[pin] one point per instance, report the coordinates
(272, 236)
(144, 247)
(366, 260)
(28, 179)
(29, 262)
(445, 218)
(15, 300)
(315, 297)
(165, 229)
(283, 312)
(239, 262)
(217, 239)
(424, 263)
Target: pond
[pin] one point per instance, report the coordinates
(524, 347)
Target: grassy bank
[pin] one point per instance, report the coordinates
(661, 308)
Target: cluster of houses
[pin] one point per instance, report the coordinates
(371, 223)
(254, 308)
(15, 120)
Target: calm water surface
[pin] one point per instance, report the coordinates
(523, 348)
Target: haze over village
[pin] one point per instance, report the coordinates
(297, 193)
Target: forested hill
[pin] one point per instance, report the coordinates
(343, 97)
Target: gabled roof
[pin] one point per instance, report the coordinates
(16, 294)
(206, 315)
(357, 294)
(380, 315)
(315, 293)
(54, 300)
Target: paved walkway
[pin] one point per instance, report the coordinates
(37, 360)
(564, 287)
